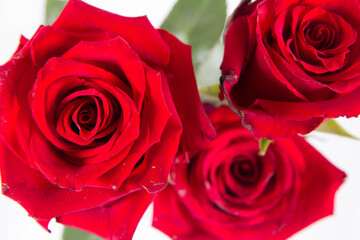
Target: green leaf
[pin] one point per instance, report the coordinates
(210, 94)
(53, 10)
(264, 143)
(212, 90)
(331, 126)
(198, 23)
(74, 234)
(208, 72)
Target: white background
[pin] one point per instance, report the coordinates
(24, 16)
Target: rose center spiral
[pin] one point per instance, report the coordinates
(320, 36)
(87, 116)
(244, 171)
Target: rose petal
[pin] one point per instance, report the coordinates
(116, 220)
(78, 16)
(38, 196)
(320, 181)
(345, 105)
(16, 72)
(50, 42)
(236, 51)
(307, 86)
(197, 130)
(153, 173)
(22, 43)
(118, 58)
(265, 125)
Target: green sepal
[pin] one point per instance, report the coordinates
(331, 126)
(264, 144)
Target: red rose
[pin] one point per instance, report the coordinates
(229, 192)
(91, 115)
(289, 64)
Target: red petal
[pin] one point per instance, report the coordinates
(42, 199)
(236, 47)
(116, 220)
(153, 173)
(22, 43)
(19, 71)
(117, 57)
(78, 16)
(50, 42)
(319, 184)
(345, 105)
(265, 125)
(197, 130)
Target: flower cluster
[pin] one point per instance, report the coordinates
(100, 115)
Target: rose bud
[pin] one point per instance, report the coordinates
(93, 110)
(230, 192)
(290, 64)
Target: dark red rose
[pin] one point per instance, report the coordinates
(229, 192)
(93, 110)
(290, 64)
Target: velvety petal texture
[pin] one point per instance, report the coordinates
(297, 53)
(93, 111)
(229, 192)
